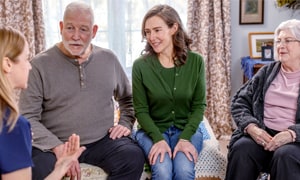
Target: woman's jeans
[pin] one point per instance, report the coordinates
(171, 169)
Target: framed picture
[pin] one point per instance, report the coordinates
(258, 39)
(251, 11)
(267, 53)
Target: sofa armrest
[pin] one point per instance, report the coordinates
(211, 161)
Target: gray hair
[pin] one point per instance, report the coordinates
(82, 7)
(292, 25)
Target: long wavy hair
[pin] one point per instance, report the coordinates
(12, 45)
(181, 40)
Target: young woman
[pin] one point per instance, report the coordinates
(169, 96)
(15, 133)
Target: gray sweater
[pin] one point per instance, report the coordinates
(248, 103)
(64, 97)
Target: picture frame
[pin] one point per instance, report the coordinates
(267, 53)
(251, 12)
(258, 39)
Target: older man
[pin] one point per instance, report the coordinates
(71, 90)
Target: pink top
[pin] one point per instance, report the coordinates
(281, 100)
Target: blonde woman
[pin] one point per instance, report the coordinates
(15, 134)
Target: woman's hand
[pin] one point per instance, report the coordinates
(259, 135)
(67, 161)
(188, 149)
(269, 143)
(278, 140)
(159, 148)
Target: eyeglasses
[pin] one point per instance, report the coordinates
(285, 42)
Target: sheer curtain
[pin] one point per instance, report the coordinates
(119, 24)
(26, 16)
(209, 27)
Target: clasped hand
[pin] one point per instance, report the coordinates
(67, 159)
(269, 143)
(161, 149)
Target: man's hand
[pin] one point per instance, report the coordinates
(58, 151)
(67, 162)
(72, 147)
(118, 131)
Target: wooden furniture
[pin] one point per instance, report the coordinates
(256, 67)
(251, 66)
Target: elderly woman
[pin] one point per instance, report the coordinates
(266, 111)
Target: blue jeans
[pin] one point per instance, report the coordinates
(179, 167)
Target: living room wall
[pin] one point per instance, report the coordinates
(273, 16)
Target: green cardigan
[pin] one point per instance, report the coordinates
(157, 106)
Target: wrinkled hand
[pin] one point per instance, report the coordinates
(278, 140)
(118, 131)
(159, 148)
(259, 135)
(188, 149)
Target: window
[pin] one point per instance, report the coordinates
(119, 24)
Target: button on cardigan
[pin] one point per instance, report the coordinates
(157, 106)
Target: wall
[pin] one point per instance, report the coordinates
(273, 16)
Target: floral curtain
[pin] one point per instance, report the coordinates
(26, 16)
(209, 27)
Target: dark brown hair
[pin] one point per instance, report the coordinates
(181, 41)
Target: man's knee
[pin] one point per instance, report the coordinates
(134, 156)
(44, 163)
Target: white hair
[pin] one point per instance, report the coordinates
(80, 6)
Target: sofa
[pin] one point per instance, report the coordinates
(211, 163)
